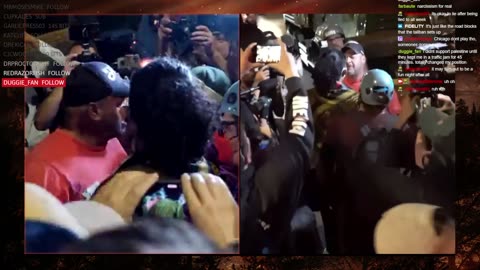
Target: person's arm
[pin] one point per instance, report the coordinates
(298, 116)
(48, 109)
(45, 48)
(220, 61)
(299, 113)
(212, 207)
(50, 179)
(290, 159)
(277, 186)
(163, 32)
(146, 38)
(407, 102)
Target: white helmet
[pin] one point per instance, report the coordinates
(376, 88)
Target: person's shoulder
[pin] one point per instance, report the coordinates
(313, 97)
(114, 146)
(43, 173)
(47, 148)
(349, 98)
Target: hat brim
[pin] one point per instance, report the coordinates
(94, 217)
(355, 50)
(122, 89)
(41, 205)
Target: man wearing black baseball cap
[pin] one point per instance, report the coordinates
(356, 64)
(78, 156)
(356, 69)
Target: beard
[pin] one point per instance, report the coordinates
(351, 71)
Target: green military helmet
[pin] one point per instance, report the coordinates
(230, 100)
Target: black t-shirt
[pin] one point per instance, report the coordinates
(275, 186)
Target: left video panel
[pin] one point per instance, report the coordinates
(138, 152)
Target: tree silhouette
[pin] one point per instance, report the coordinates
(462, 111)
(474, 114)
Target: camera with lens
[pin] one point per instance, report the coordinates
(182, 29)
(128, 64)
(86, 30)
(259, 106)
(262, 107)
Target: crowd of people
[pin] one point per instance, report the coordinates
(320, 167)
(161, 162)
(145, 164)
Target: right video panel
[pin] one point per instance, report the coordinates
(341, 154)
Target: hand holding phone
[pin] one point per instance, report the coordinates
(287, 64)
(167, 201)
(212, 207)
(268, 54)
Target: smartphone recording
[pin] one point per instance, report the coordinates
(268, 54)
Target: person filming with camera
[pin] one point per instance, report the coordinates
(194, 39)
(270, 195)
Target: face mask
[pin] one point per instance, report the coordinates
(225, 152)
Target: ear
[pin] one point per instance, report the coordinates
(364, 59)
(94, 111)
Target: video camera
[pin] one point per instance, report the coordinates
(183, 27)
(128, 64)
(86, 30)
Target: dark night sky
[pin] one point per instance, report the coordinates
(468, 88)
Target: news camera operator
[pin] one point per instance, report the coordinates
(271, 186)
(256, 107)
(194, 39)
(263, 95)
